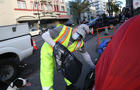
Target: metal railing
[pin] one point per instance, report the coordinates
(98, 37)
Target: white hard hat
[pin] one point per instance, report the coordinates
(83, 29)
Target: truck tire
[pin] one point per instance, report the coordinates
(8, 69)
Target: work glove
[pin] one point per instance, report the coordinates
(71, 87)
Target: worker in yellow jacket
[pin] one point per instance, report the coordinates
(72, 41)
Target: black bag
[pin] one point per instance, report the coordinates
(67, 63)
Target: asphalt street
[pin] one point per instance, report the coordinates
(32, 72)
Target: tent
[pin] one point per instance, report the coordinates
(119, 66)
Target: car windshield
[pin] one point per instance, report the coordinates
(93, 21)
(33, 29)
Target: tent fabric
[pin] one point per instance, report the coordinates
(102, 46)
(119, 66)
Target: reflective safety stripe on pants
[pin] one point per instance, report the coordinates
(67, 82)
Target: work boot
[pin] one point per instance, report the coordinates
(71, 87)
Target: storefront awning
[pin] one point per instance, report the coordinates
(26, 18)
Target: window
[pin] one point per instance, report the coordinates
(49, 8)
(36, 5)
(21, 4)
(56, 8)
(31, 4)
(62, 8)
(62, 0)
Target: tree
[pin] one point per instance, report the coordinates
(114, 6)
(77, 7)
(117, 6)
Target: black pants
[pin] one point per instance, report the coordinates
(3, 86)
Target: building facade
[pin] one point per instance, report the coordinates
(32, 11)
(100, 6)
(89, 15)
(68, 8)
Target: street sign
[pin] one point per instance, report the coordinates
(136, 4)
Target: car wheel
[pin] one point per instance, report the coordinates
(8, 69)
(40, 32)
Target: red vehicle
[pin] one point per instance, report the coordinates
(119, 65)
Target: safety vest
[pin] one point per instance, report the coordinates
(64, 37)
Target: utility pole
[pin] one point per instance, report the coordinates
(109, 7)
(131, 5)
(38, 15)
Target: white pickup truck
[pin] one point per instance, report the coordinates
(15, 45)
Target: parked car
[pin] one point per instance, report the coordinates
(69, 23)
(96, 23)
(34, 32)
(44, 30)
(100, 22)
(90, 24)
(111, 20)
(15, 45)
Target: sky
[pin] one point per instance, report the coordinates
(124, 1)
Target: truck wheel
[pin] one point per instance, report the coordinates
(8, 69)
